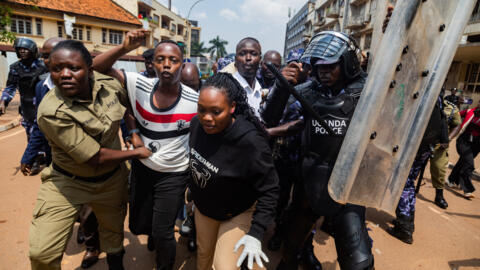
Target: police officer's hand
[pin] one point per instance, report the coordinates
(25, 169)
(291, 72)
(3, 108)
(133, 39)
(142, 152)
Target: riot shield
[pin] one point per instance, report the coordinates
(404, 82)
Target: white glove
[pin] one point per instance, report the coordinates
(253, 249)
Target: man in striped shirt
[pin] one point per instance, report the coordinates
(159, 118)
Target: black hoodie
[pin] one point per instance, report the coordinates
(231, 171)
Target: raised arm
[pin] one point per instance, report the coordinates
(103, 63)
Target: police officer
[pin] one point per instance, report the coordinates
(333, 92)
(80, 118)
(435, 133)
(439, 160)
(24, 75)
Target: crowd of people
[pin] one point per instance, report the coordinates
(233, 154)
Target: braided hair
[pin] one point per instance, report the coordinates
(226, 83)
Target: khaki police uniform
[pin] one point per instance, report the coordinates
(76, 130)
(438, 164)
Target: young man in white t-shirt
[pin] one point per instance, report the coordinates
(161, 110)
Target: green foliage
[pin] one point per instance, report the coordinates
(6, 20)
(198, 49)
(218, 47)
(5, 36)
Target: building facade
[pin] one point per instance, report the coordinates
(464, 73)
(299, 28)
(163, 23)
(99, 24)
(195, 36)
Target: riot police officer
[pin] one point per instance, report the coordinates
(337, 82)
(24, 75)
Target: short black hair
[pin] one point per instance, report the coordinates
(148, 54)
(170, 42)
(249, 39)
(74, 45)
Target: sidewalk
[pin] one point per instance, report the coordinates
(11, 118)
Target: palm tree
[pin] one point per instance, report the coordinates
(218, 47)
(198, 49)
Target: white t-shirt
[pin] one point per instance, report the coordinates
(254, 96)
(164, 131)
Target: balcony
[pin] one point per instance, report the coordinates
(356, 23)
(320, 22)
(357, 2)
(333, 12)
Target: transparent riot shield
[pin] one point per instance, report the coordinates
(405, 79)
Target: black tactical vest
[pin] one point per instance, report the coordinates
(320, 149)
(26, 86)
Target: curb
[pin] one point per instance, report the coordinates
(12, 124)
(475, 174)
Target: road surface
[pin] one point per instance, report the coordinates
(443, 239)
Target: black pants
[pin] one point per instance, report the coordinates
(155, 200)
(347, 227)
(287, 175)
(462, 172)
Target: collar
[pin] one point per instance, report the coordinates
(245, 84)
(48, 82)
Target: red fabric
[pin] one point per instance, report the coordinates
(471, 123)
(163, 118)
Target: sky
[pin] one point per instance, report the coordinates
(233, 20)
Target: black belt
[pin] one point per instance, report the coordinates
(92, 179)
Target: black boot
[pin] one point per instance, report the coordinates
(307, 257)
(115, 261)
(439, 200)
(402, 229)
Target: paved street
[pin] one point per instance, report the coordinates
(444, 239)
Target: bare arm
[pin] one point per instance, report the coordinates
(288, 129)
(107, 156)
(103, 63)
(454, 132)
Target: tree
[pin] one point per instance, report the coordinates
(198, 49)
(5, 21)
(218, 47)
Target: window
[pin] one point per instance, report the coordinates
(156, 19)
(60, 29)
(472, 78)
(368, 41)
(155, 42)
(104, 35)
(115, 37)
(77, 32)
(21, 25)
(38, 23)
(174, 28)
(89, 33)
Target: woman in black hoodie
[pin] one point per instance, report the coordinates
(234, 184)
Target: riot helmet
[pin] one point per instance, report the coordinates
(329, 47)
(26, 43)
